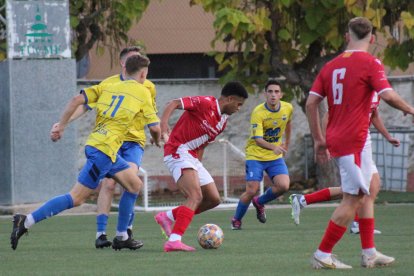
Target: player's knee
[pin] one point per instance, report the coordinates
(109, 186)
(215, 201)
(283, 188)
(196, 197)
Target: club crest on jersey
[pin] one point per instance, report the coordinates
(284, 117)
(254, 125)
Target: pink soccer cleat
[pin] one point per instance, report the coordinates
(165, 223)
(170, 246)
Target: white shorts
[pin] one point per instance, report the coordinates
(356, 171)
(186, 161)
(374, 167)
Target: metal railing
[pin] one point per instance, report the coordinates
(392, 162)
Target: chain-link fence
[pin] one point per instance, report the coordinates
(395, 164)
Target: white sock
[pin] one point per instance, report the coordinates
(130, 227)
(175, 237)
(369, 251)
(170, 215)
(321, 255)
(29, 221)
(302, 201)
(98, 234)
(124, 235)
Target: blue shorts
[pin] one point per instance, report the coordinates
(255, 168)
(99, 165)
(131, 152)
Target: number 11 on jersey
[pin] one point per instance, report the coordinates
(337, 87)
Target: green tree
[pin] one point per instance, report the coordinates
(293, 39)
(104, 23)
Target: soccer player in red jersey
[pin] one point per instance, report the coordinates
(349, 82)
(204, 118)
(299, 201)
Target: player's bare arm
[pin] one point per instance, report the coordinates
(394, 99)
(58, 128)
(155, 131)
(321, 151)
(288, 131)
(379, 125)
(169, 109)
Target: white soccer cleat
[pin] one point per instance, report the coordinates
(330, 262)
(354, 229)
(378, 259)
(296, 207)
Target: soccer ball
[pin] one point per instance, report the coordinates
(210, 236)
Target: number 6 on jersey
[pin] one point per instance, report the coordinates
(337, 87)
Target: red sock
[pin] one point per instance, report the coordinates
(319, 196)
(333, 234)
(366, 232)
(174, 212)
(356, 218)
(183, 219)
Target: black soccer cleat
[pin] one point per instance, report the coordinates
(102, 242)
(260, 210)
(130, 234)
(130, 243)
(18, 230)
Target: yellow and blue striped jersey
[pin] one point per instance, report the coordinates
(136, 132)
(269, 125)
(118, 106)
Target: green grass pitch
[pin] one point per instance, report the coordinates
(64, 245)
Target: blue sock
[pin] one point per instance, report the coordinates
(126, 207)
(241, 210)
(131, 219)
(267, 196)
(53, 207)
(101, 222)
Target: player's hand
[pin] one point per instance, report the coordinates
(394, 141)
(165, 132)
(286, 147)
(157, 143)
(56, 132)
(322, 154)
(165, 137)
(279, 150)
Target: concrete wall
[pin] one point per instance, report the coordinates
(238, 127)
(34, 93)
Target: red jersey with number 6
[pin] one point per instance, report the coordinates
(200, 124)
(349, 82)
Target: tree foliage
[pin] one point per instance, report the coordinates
(103, 23)
(293, 39)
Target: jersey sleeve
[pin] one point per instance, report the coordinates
(378, 79)
(196, 103)
(92, 95)
(256, 126)
(317, 87)
(151, 87)
(150, 113)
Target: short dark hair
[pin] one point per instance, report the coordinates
(234, 88)
(135, 63)
(130, 49)
(272, 82)
(360, 26)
